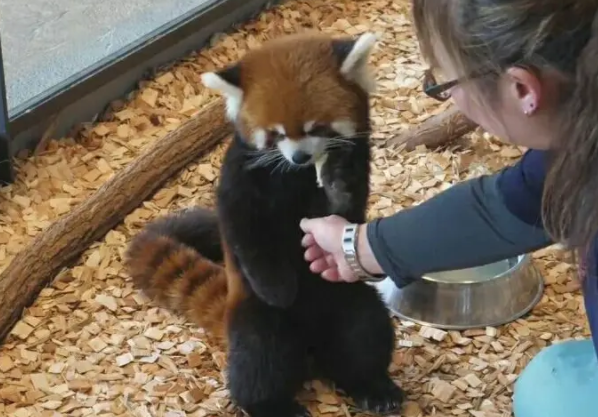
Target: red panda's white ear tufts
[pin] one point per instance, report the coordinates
(232, 93)
(359, 53)
(215, 81)
(354, 56)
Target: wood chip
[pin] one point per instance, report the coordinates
(491, 331)
(442, 390)
(472, 380)
(206, 171)
(107, 301)
(124, 359)
(150, 96)
(22, 330)
(40, 382)
(97, 344)
(6, 364)
(154, 333)
(431, 333)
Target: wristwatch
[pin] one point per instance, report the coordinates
(349, 245)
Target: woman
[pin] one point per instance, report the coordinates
(526, 71)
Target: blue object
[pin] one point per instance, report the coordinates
(521, 186)
(560, 381)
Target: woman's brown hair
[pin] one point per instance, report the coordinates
(557, 35)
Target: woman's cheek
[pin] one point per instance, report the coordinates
(476, 113)
(464, 105)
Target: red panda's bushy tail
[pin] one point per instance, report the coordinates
(175, 275)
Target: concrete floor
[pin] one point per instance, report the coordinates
(44, 42)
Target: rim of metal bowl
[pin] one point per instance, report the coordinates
(522, 261)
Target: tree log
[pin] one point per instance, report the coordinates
(70, 235)
(438, 130)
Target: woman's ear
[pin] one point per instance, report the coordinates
(525, 89)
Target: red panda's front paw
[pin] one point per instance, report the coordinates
(277, 291)
(382, 397)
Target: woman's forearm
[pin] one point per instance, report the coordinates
(467, 225)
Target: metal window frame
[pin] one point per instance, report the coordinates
(6, 166)
(87, 93)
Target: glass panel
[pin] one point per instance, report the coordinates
(47, 41)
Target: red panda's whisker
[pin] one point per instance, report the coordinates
(347, 138)
(340, 140)
(335, 144)
(265, 159)
(261, 151)
(281, 165)
(363, 132)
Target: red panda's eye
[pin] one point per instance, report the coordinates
(322, 130)
(273, 136)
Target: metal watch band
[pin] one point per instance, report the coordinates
(349, 245)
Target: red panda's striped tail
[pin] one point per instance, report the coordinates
(177, 277)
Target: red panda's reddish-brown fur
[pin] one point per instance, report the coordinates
(301, 68)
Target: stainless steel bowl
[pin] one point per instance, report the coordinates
(489, 295)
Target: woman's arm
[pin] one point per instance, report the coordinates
(479, 221)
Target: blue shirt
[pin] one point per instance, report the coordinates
(521, 186)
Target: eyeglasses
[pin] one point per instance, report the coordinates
(440, 91)
(435, 90)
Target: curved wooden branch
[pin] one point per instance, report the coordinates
(65, 239)
(436, 131)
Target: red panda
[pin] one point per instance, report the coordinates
(300, 107)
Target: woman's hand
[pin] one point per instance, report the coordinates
(323, 250)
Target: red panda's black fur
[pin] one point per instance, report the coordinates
(240, 271)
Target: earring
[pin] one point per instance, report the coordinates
(532, 107)
(530, 110)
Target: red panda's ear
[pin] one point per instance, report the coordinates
(353, 57)
(227, 82)
(342, 47)
(231, 74)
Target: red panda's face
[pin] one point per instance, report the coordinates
(300, 95)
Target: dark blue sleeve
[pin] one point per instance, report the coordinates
(478, 221)
(521, 187)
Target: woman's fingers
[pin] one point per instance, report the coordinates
(314, 252)
(327, 268)
(307, 225)
(321, 262)
(308, 240)
(331, 275)
(318, 266)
